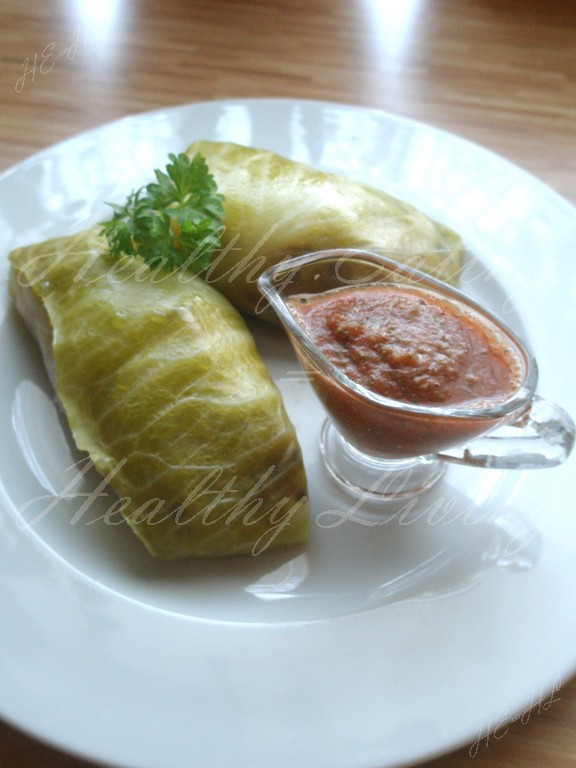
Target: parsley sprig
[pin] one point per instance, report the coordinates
(175, 223)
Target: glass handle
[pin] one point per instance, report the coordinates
(542, 437)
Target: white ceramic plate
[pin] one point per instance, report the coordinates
(373, 646)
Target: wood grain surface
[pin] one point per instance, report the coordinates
(502, 74)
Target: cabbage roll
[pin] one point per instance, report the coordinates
(275, 208)
(164, 388)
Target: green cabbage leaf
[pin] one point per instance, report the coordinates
(276, 208)
(164, 388)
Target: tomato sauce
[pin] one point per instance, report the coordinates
(413, 346)
(408, 345)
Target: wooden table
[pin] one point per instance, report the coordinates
(502, 74)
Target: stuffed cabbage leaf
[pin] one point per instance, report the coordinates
(164, 388)
(275, 208)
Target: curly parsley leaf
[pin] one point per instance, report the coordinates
(174, 223)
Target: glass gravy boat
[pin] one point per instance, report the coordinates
(381, 448)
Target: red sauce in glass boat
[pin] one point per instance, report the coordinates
(412, 346)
